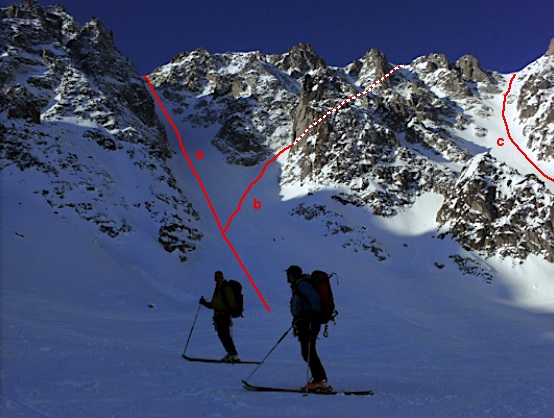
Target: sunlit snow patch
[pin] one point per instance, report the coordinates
(414, 220)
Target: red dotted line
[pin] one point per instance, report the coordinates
(189, 161)
(308, 129)
(347, 101)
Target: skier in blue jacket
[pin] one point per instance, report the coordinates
(305, 309)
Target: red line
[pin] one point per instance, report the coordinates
(206, 194)
(185, 153)
(252, 185)
(510, 136)
(299, 138)
(241, 201)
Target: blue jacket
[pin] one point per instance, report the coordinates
(305, 300)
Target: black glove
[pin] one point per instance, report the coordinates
(202, 301)
(294, 331)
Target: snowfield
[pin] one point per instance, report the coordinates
(94, 326)
(95, 311)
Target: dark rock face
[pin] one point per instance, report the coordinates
(469, 69)
(426, 128)
(242, 145)
(536, 105)
(71, 105)
(497, 211)
(383, 150)
(20, 104)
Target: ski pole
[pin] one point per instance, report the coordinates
(270, 351)
(192, 329)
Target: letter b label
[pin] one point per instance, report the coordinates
(257, 204)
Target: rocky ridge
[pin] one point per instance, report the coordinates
(71, 104)
(535, 105)
(422, 130)
(75, 112)
(497, 210)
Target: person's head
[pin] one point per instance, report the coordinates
(218, 277)
(293, 273)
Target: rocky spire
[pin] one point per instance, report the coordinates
(469, 69)
(302, 58)
(550, 51)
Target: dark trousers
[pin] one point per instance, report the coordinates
(307, 334)
(223, 328)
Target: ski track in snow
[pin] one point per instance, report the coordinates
(222, 230)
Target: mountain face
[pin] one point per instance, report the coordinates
(432, 127)
(496, 209)
(535, 105)
(77, 115)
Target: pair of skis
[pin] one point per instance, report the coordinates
(207, 360)
(254, 388)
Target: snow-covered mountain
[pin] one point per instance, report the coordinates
(443, 240)
(423, 130)
(76, 115)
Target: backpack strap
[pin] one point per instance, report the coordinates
(225, 301)
(224, 286)
(304, 297)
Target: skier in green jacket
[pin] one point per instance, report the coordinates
(223, 300)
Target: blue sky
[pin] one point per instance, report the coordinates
(504, 35)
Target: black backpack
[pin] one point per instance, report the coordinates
(236, 287)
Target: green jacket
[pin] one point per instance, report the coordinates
(223, 299)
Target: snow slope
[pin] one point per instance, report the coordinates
(94, 326)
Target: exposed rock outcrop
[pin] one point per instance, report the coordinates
(382, 150)
(71, 105)
(495, 210)
(469, 69)
(408, 136)
(535, 105)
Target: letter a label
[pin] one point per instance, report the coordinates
(257, 204)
